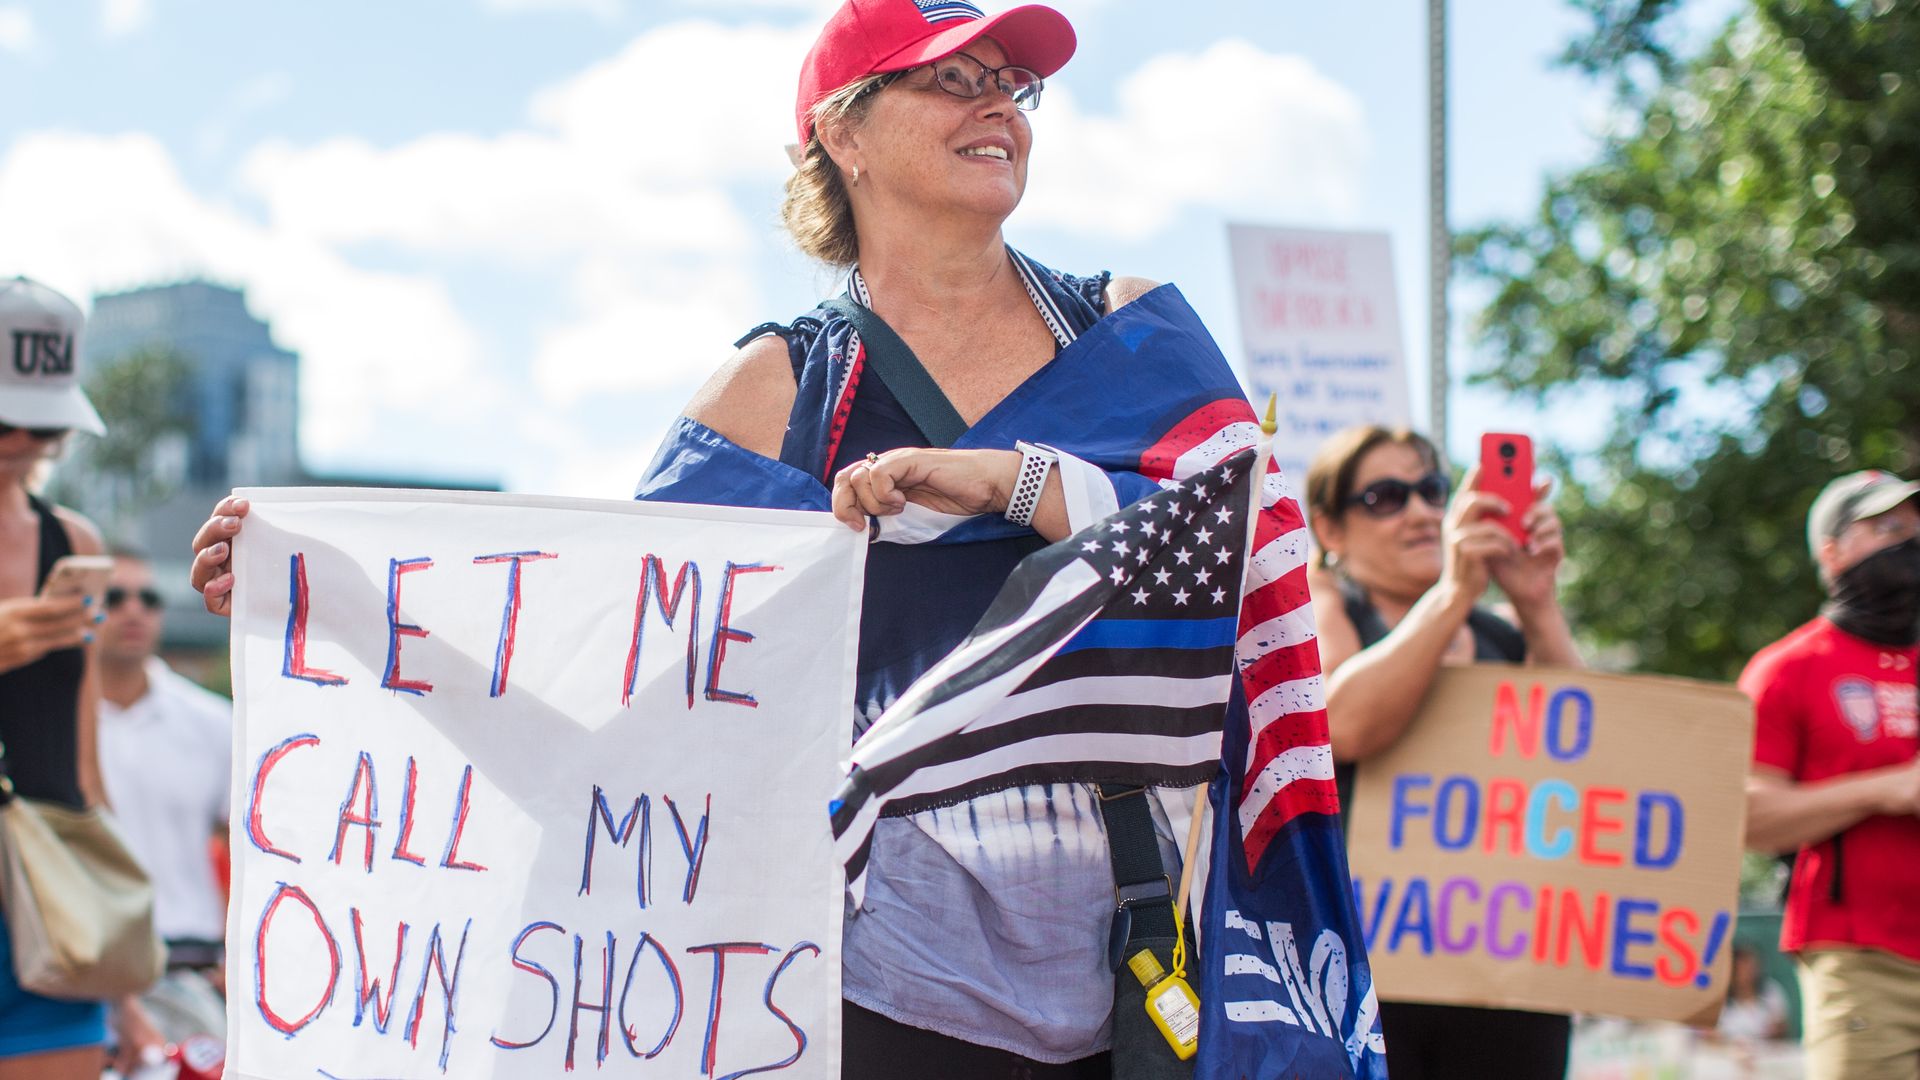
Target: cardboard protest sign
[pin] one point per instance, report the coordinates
(528, 786)
(1320, 320)
(1556, 840)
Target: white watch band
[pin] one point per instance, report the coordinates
(1035, 462)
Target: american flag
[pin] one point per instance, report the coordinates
(938, 11)
(1107, 657)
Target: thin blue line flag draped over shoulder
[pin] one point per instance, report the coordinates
(1106, 658)
(1143, 406)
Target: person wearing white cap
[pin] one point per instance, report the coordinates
(1836, 780)
(48, 696)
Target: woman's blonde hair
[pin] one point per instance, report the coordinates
(817, 212)
(1330, 474)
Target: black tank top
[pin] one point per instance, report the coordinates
(1494, 638)
(40, 703)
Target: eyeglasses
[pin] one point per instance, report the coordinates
(149, 597)
(964, 77)
(1385, 498)
(42, 433)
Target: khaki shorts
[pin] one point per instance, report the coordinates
(1861, 1014)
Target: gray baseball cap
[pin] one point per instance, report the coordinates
(1854, 497)
(39, 359)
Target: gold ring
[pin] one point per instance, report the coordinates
(872, 459)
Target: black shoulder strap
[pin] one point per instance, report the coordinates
(1366, 620)
(53, 539)
(1498, 636)
(1143, 890)
(903, 373)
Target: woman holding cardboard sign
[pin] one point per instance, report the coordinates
(1402, 564)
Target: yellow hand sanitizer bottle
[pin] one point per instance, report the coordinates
(1170, 1002)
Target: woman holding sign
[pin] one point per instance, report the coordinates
(976, 406)
(1402, 563)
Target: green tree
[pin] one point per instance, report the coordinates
(115, 476)
(1738, 273)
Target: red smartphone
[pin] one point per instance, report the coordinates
(1506, 470)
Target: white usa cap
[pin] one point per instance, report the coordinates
(39, 354)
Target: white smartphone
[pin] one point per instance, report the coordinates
(78, 575)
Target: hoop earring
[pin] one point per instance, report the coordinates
(855, 182)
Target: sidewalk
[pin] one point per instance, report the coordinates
(1610, 1049)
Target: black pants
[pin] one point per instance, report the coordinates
(1447, 1042)
(876, 1048)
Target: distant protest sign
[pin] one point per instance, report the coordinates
(1320, 320)
(1556, 840)
(531, 786)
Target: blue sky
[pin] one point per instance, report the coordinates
(509, 237)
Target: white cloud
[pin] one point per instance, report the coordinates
(605, 9)
(16, 29)
(691, 102)
(92, 213)
(643, 329)
(510, 197)
(625, 171)
(1232, 129)
(575, 463)
(629, 155)
(121, 17)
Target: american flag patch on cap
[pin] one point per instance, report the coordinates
(937, 11)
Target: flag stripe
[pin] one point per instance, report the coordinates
(1161, 460)
(1228, 440)
(1278, 666)
(1286, 732)
(1167, 663)
(1153, 633)
(1105, 693)
(1276, 556)
(1291, 628)
(1303, 765)
(1276, 812)
(1119, 751)
(1065, 716)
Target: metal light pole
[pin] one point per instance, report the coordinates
(1439, 240)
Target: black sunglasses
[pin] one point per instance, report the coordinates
(35, 432)
(1385, 498)
(149, 597)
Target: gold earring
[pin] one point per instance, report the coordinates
(856, 176)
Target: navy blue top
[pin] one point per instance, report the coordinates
(39, 703)
(921, 599)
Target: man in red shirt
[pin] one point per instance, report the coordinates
(1836, 779)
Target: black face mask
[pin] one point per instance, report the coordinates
(1878, 598)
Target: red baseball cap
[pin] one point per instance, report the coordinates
(869, 37)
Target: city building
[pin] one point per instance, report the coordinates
(239, 399)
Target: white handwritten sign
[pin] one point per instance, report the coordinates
(529, 786)
(1321, 322)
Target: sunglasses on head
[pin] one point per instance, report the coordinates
(1385, 498)
(149, 597)
(34, 432)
